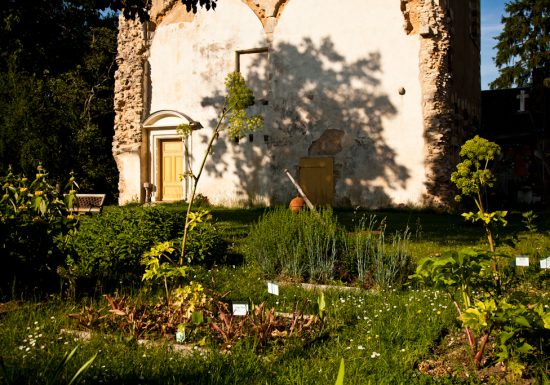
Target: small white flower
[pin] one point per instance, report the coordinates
(374, 355)
(360, 347)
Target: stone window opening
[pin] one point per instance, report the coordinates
(252, 64)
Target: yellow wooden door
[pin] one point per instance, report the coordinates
(317, 179)
(171, 170)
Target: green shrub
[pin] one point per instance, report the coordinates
(392, 262)
(108, 247)
(376, 258)
(205, 245)
(299, 246)
(319, 238)
(312, 246)
(273, 243)
(35, 224)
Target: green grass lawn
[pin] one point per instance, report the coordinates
(384, 336)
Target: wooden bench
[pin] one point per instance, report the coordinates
(88, 203)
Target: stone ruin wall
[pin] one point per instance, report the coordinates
(129, 99)
(427, 18)
(445, 114)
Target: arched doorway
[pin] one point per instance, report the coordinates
(168, 158)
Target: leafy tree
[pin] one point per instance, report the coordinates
(140, 8)
(524, 44)
(56, 90)
(57, 85)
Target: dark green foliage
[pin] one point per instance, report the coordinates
(57, 62)
(205, 245)
(35, 225)
(524, 44)
(279, 242)
(108, 247)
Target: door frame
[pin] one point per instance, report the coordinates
(162, 125)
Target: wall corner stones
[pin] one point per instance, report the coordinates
(129, 101)
(444, 126)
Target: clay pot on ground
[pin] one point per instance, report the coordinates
(296, 204)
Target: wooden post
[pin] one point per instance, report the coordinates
(300, 191)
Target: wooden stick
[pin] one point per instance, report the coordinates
(300, 191)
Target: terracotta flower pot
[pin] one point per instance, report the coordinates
(296, 204)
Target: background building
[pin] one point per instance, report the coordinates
(366, 101)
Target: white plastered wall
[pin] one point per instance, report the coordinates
(332, 66)
(361, 46)
(129, 171)
(189, 62)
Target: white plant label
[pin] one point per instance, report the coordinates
(240, 309)
(545, 263)
(272, 288)
(522, 261)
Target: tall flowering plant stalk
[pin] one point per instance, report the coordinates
(236, 122)
(473, 177)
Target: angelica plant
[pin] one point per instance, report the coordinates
(473, 177)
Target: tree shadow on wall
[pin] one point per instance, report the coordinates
(318, 105)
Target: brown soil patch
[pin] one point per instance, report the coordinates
(453, 358)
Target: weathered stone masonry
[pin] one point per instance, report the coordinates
(129, 97)
(447, 117)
